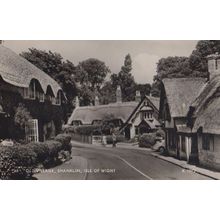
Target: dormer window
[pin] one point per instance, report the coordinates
(30, 92)
(58, 98)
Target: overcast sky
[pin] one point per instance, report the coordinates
(144, 54)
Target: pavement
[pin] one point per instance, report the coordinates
(181, 163)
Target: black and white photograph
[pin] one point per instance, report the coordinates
(110, 110)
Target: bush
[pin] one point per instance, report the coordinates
(87, 129)
(147, 140)
(160, 133)
(17, 162)
(20, 161)
(40, 149)
(119, 138)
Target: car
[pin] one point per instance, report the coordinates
(159, 146)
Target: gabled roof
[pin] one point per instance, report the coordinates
(181, 92)
(153, 103)
(88, 114)
(154, 100)
(17, 71)
(207, 107)
(120, 110)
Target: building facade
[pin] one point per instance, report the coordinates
(24, 86)
(124, 114)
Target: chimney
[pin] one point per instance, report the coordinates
(213, 65)
(96, 100)
(118, 94)
(138, 96)
(77, 101)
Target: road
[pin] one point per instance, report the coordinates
(100, 163)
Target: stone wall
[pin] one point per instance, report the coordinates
(210, 158)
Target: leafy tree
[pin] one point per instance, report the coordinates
(92, 73)
(125, 79)
(61, 71)
(107, 93)
(144, 89)
(198, 58)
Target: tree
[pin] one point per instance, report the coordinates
(61, 71)
(92, 73)
(198, 58)
(125, 79)
(144, 89)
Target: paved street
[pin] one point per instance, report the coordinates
(100, 163)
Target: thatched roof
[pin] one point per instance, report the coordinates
(120, 110)
(181, 92)
(88, 114)
(207, 108)
(17, 71)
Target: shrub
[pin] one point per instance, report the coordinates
(64, 139)
(160, 133)
(20, 161)
(40, 149)
(17, 162)
(119, 138)
(147, 140)
(87, 129)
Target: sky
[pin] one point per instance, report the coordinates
(144, 54)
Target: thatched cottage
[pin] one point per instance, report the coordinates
(122, 113)
(177, 94)
(204, 117)
(143, 119)
(21, 83)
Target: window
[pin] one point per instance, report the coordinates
(31, 130)
(207, 141)
(40, 96)
(32, 91)
(58, 99)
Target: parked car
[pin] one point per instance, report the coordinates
(159, 146)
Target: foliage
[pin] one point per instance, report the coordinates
(64, 139)
(91, 73)
(108, 123)
(160, 133)
(119, 138)
(20, 161)
(144, 89)
(147, 140)
(61, 71)
(16, 162)
(125, 79)
(40, 149)
(22, 115)
(87, 129)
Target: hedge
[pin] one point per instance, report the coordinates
(147, 140)
(119, 138)
(20, 161)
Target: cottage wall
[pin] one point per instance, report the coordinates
(210, 158)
